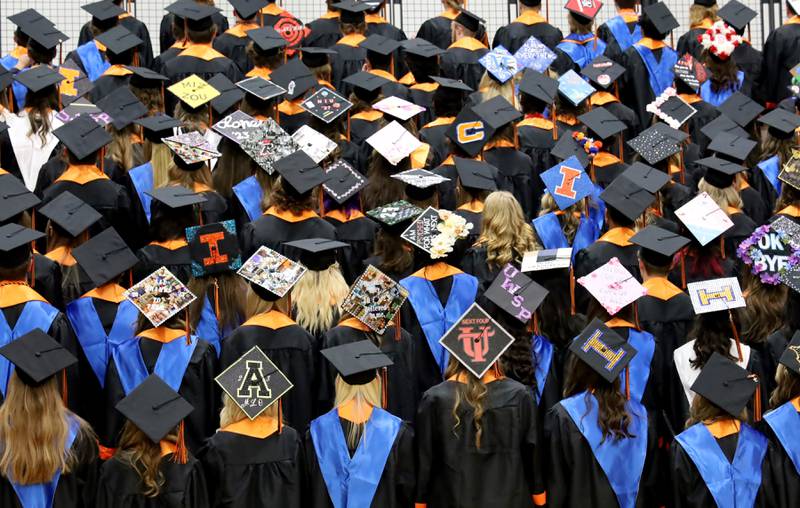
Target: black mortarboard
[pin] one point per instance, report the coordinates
(143, 77)
(722, 124)
(732, 146)
(104, 256)
(254, 382)
(37, 357)
(470, 21)
(603, 71)
(469, 131)
(602, 122)
(516, 293)
(122, 106)
(15, 198)
(351, 11)
(213, 248)
(603, 349)
(155, 408)
(357, 362)
(658, 244)
(29, 17)
(246, 9)
(313, 56)
(197, 15)
(380, 44)
(539, 86)
(260, 87)
(705, 3)
(725, 384)
(476, 340)
(70, 213)
(103, 10)
(83, 136)
(736, 14)
(567, 147)
(157, 127)
(677, 135)
(343, 181)
(38, 78)
(395, 214)
(366, 81)
(476, 174)
(646, 177)
(267, 38)
(294, 77)
(6, 78)
(229, 93)
(317, 253)
(740, 108)
(15, 244)
(42, 31)
(653, 145)
(782, 123)
(118, 40)
(176, 196)
(677, 109)
(720, 172)
(453, 84)
(300, 172)
(497, 112)
(421, 48)
(791, 355)
(661, 17)
(626, 197)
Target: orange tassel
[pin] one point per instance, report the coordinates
(64, 392)
(181, 454)
(188, 332)
(735, 335)
(536, 323)
(384, 387)
(636, 316)
(555, 121)
(130, 278)
(216, 297)
(547, 10)
(722, 246)
(321, 203)
(628, 382)
(757, 400)
(683, 269)
(33, 271)
(397, 327)
(571, 290)
(280, 416)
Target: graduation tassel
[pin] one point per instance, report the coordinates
(536, 323)
(756, 399)
(397, 329)
(64, 386)
(180, 456)
(384, 387)
(628, 382)
(722, 246)
(555, 123)
(683, 269)
(547, 10)
(636, 316)
(32, 269)
(571, 290)
(280, 416)
(186, 329)
(136, 58)
(735, 335)
(289, 303)
(216, 297)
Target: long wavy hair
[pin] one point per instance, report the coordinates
(381, 188)
(724, 198)
(40, 106)
(517, 362)
(788, 386)
(232, 167)
(370, 393)
(698, 13)
(178, 176)
(316, 298)
(505, 233)
(789, 196)
(120, 150)
(395, 255)
(138, 452)
(712, 334)
(771, 145)
(472, 393)
(491, 88)
(231, 299)
(721, 72)
(160, 157)
(286, 199)
(150, 97)
(764, 313)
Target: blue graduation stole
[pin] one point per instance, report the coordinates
(433, 318)
(208, 327)
(18, 89)
(548, 229)
(40, 495)
(352, 482)
(250, 194)
(785, 421)
(619, 29)
(771, 169)
(96, 345)
(542, 354)
(9, 61)
(622, 460)
(731, 485)
(717, 98)
(93, 62)
(658, 72)
(35, 314)
(583, 50)
(142, 179)
(170, 366)
(645, 345)
(597, 213)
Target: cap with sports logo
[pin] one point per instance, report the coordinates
(254, 382)
(469, 131)
(476, 340)
(603, 349)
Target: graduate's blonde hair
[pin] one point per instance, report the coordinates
(788, 386)
(491, 88)
(505, 233)
(698, 13)
(370, 393)
(316, 298)
(729, 196)
(160, 157)
(570, 219)
(473, 392)
(232, 413)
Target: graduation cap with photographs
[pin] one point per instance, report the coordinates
(70, 213)
(567, 182)
(671, 108)
(254, 382)
(194, 91)
(38, 78)
(155, 408)
(398, 108)
(294, 77)
(37, 357)
(83, 136)
(214, 248)
(343, 181)
(393, 142)
(192, 147)
(15, 198)
(395, 213)
(584, 8)
(627, 198)
(497, 112)
(469, 131)
(420, 178)
(603, 349)
(122, 106)
(736, 14)
(476, 340)
(75, 84)
(704, 218)
(104, 257)
(238, 126)
(315, 144)
(326, 105)
(300, 172)
(547, 259)
(357, 362)
(261, 88)
(539, 86)
(603, 71)
(229, 93)
(375, 299)
(613, 286)
(740, 108)
(516, 293)
(646, 177)
(499, 64)
(572, 86)
(725, 384)
(790, 172)
(477, 175)
(159, 296)
(654, 145)
(534, 55)
(118, 40)
(690, 71)
(272, 271)
(267, 144)
(658, 245)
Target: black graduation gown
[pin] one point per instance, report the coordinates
(536, 139)
(348, 60)
(437, 31)
(106, 84)
(243, 471)
(290, 347)
(198, 59)
(631, 121)
(184, 486)
(379, 25)
(607, 169)
(55, 167)
(435, 134)
(785, 476)
(173, 255)
(505, 471)
(214, 208)
(8, 160)
(474, 263)
(291, 116)
(421, 94)
(743, 227)
(233, 44)
(274, 228)
(518, 176)
(513, 35)
(166, 39)
(447, 190)
(167, 55)
(666, 315)
(753, 205)
(460, 61)
(599, 253)
(705, 114)
(358, 231)
(635, 91)
(473, 215)
(197, 387)
(75, 489)
(363, 125)
(393, 88)
(781, 54)
(575, 478)
(144, 50)
(613, 49)
(323, 32)
(688, 43)
(748, 60)
(47, 281)
(396, 485)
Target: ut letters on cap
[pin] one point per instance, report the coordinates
(214, 248)
(476, 340)
(254, 382)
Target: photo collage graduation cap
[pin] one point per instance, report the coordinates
(268, 144)
(533, 54)
(194, 91)
(315, 144)
(516, 293)
(789, 173)
(613, 286)
(395, 212)
(421, 232)
(159, 296)
(254, 382)
(214, 248)
(326, 104)
(715, 295)
(238, 126)
(191, 147)
(272, 271)
(548, 259)
(476, 340)
(703, 218)
(567, 182)
(375, 299)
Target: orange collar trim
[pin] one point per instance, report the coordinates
(425, 87)
(370, 115)
(450, 14)
(382, 73)
(601, 98)
(171, 244)
(375, 19)
(796, 403)
(530, 18)
(468, 43)
(567, 118)
(273, 319)
(19, 51)
(180, 45)
(539, 123)
(355, 324)
(275, 9)
(705, 24)
(289, 216)
(100, 45)
(242, 29)
(201, 51)
(260, 428)
(419, 157)
(473, 206)
(449, 161)
(167, 448)
(661, 288)
(352, 40)
(791, 210)
(117, 70)
(445, 120)
(82, 174)
(629, 15)
(3, 172)
(618, 236)
(290, 108)
(323, 82)
(14, 294)
(744, 184)
(437, 271)
(408, 79)
(649, 43)
(341, 217)
(261, 72)
(723, 428)
(500, 143)
(62, 256)
(113, 293)
(201, 187)
(732, 210)
(329, 15)
(793, 20)
(619, 323)
(690, 98)
(162, 334)
(487, 378)
(603, 159)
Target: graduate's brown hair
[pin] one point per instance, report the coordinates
(705, 411)
(286, 199)
(771, 145)
(712, 334)
(395, 254)
(505, 233)
(39, 106)
(271, 59)
(143, 456)
(698, 13)
(570, 219)
(788, 386)
(789, 196)
(764, 313)
(225, 293)
(472, 392)
(233, 166)
(578, 25)
(178, 176)
(201, 36)
(381, 188)
(120, 150)
(722, 73)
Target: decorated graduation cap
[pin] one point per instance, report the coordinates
(769, 252)
(603, 71)
(420, 178)
(790, 358)
(586, 9)
(38, 78)
(254, 382)
(375, 300)
(736, 14)
(314, 143)
(790, 173)
(690, 71)
(229, 93)
(658, 245)
(394, 142)
(159, 296)
(469, 20)
(266, 143)
(726, 385)
(317, 253)
(246, 9)
(782, 124)
(15, 198)
(603, 349)
(497, 112)
(704, 218)
(196, 15)
(720, 172)
(469, 131)
(397, 213)
(539, 86)
(534, 55)
(118, 40)
(261, 88)
(344, 181)
(294, 77)
(613, 286)
(194, 91)
(654, 145)
(83, 136)
(352, 11)
(357, 362)
(191, 150)
(157, 127)
(436, 231)
(626, 197)
(602, 122)
(732, 146)
(214, 248)
(37, 357)
(572, 86)
(476, 340)
(326, 104)
(398, 108)
(15, 244)
(671, 108)
(452, 84)
(473, 174)
(660, 16)
(300, 172)
(122, 106)
(740, 108)
(567, 182)
(646, 177)
(547, 259)
(516, 293)
(716, 295)
(70, 213)
(315, 57)
(271, 271)
(104, 257)
(500, 64)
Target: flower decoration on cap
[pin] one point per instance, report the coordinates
(589, 145)
(770, 252)
(720, 40)
(451, 228)
(655, 108)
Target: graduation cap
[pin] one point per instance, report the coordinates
(676, 135)
(379, 44)
(474, 174)
(267, 38)
(15, 244)
(254, 382)
(452, 84)
(658, 245)
(194, 91)
(626, 197)
(118, 40)
(534, 55)
(155, 408)
(782, 124)
(704, 218)
(229, 93)
(122, 106)
(690, 71)
(159, 296)
(6, 78)
(421, 48)
(267, 142)
(603, 71)
(326, 105)
(44, 33)
(584, 8)
(313, 56)
(469, 20)
(740, 108)
(357, 362)
(725, 384)
(29, 17)
(720, 172)
(646, 177)
(476, 340)
(143, 77)
(395, 213)
(500, 64)
(104, 10)
(157, 127)
(716, 295)
(469, 131)
(104, 256)
(83, 136)
(38, 78)
(300, 172)
(732, 146)
(366, 81)
(613, 286)
(790, 357)
(539, 86)
(567, 182)
(271, 271)
(317, 253)
(516, 293)
(547, 259)
(70, 213)
(674, 110)
(15, 198)
(653, 145)
(566, 147)
(660, 16)
(261, 88)
(394, 142)
(214, 248)
(343, 181)
(497, 112)
(602, 122)
(294, 77)
(790, 175)
(351, 11)
(196, 15)
(736, 14)
(37, 357)
(398, 108)
(420, 178)
(603, 349)
(246, 9)
(375, 300)
(316, 145)
(572, 86)
(722, 124)
(191, 149)
(176, 196)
